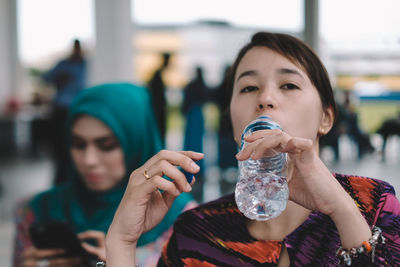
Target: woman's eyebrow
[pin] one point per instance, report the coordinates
(97, 139)
(289, 71)
(106, 138)
(247, 73)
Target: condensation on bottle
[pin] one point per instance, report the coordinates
(262, 192)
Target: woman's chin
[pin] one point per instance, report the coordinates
(97, 187)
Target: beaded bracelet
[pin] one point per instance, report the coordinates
(347, 255)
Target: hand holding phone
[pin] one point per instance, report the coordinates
(48, 257)
(58, 235)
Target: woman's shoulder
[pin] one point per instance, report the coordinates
(52, 194)
(370, 194)
(366, 185)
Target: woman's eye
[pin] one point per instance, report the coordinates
(107, 145)
(78, 144)
(289, 86)
(249, 89)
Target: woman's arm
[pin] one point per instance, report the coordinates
(144, 205)
(311, 183)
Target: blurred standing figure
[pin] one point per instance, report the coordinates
(227, 147)
(195, 95)
(360, 138)
(157, 89)
(68, 77)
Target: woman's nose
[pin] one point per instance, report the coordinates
(91, 155)
(266, 99)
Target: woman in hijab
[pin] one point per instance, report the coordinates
(112, 131)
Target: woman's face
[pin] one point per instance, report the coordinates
(267, 83)
(97, 154)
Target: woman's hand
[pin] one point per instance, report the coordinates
(311, 184)
(99, 237)
(33, 257)
(143, 205)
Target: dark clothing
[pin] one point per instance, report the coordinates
(69, 78)
(159, 101)
(195, 95)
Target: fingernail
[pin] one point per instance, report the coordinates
(188, 187)
(194, 166)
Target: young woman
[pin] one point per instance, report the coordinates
(112, 131)
(329, 219)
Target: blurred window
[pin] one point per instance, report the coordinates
(360, 24)
(284, 15)
(47, 27)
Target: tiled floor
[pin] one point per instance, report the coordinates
(21, 176)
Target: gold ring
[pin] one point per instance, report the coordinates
(146, 175)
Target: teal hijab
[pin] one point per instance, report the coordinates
(126, 110)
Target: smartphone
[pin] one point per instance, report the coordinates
(57, 234)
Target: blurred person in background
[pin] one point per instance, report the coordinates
(360, 138)
(68, 77)
(227, 147)
(195, 95)
(157, 89)
(111, 132)
(389, 127)
(347, 123)
(330, 219)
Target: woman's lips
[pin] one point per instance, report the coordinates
(92, 177)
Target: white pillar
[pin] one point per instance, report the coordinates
(112, 59)
(9, 62)
(311, 24)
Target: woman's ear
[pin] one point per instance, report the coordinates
(327, 120)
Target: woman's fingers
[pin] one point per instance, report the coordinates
(166, 165)
(193, 155)
(263, 141)
(99, 237)
(100, 252)
(92, 234)
(35, 253)
(179, 179)
(168, 186)
(32, 256)
(297, 145)
(185, 159)
(67, 262)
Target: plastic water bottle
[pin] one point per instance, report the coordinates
(262, 191)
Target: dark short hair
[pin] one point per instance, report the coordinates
(297, 52)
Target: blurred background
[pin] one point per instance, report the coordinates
(125, 40)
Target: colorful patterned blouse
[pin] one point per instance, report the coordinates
(214, 234)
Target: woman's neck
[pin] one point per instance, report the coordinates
(278, 228)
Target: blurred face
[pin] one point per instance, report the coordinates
(97, 154)
(267, 83)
